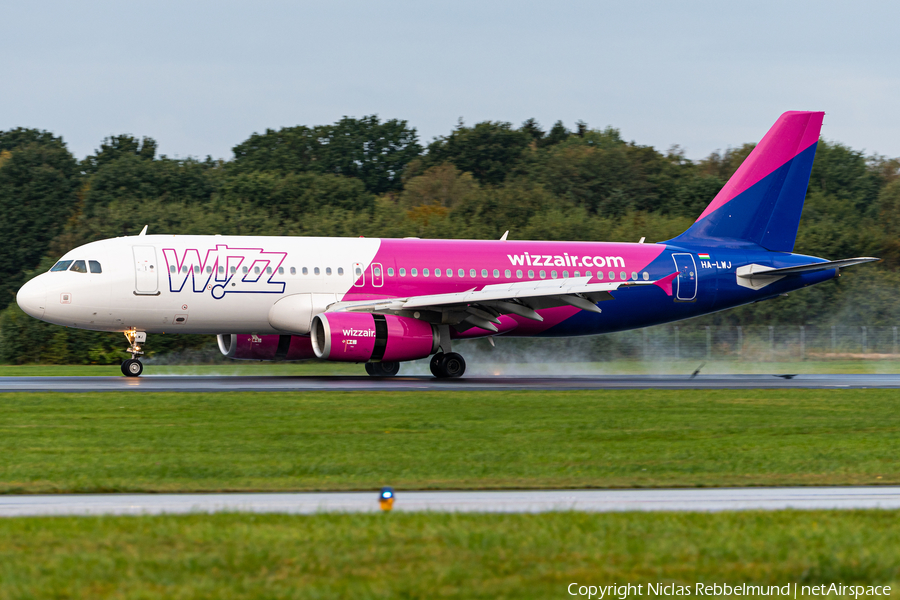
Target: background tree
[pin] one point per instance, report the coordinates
(39, 181)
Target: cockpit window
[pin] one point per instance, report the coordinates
(61, 265)
(79, 267)
(95, 266)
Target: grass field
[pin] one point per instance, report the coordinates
(477, 367)
(104, 442)
(438, 555)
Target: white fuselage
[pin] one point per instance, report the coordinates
(168, 286)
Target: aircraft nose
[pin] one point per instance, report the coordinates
(32, 298)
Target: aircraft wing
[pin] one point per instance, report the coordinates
(481, 308)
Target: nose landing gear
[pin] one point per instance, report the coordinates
(133, 367)
(449, 365)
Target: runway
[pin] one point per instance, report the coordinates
(681, 500)
(178, 383)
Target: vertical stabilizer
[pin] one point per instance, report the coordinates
(763, 200)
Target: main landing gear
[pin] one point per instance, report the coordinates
(450, 364)
(382, 369)
(133, 367)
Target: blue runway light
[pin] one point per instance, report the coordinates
(386, 498)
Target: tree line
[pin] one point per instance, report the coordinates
(375, 178)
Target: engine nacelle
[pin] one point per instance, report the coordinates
(266, 347)
(363, 337)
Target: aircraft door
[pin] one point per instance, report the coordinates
(146, 271)
(377, 275)
(359, 274)
(686, 288)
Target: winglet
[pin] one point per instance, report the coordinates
(503, 238)
(143, 231)
(665, 284)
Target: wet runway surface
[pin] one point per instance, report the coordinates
(177, 383)
(697, 500)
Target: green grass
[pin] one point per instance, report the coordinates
(476, 368)
(101, 442)
(438, 555)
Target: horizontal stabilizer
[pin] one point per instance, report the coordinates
(761, 271)
(759, 276)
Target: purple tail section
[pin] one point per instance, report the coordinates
(762, 202)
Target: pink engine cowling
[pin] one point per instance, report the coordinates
(266, 347)
(363, 337)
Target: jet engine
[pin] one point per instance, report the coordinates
(266, 347)
(363, 337)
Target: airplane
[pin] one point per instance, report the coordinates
(385, 301)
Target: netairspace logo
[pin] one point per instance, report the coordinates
(790, 590)
(564, 260)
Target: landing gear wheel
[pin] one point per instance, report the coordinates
(450, 365)
(436, 364)
(132, 368)
(383, 369)
(453, 365)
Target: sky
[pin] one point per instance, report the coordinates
(200, 77)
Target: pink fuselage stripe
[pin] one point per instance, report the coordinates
(791, 134)
(500, 256)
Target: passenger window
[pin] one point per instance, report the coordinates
(530, 274)
(184, 268)
(95, 266)
(519, 273)
(294, 271)
(484, 272)
(507, 273)
(496, 273)
(231, 270)
(196, 268)
(281, 270)
(599, 275)
(305, 271)
(612, 275)
(340, 270)
(256, 270)
(543, 274)
(328, 271)
(472, 273)
(461, 272)
(221, 269)
(316, 271)
(171, 268)
(402, 272)
(577, 273)
(437, 272)
(552, 274)
(413, 272)
(244, 270)
(449, 272)
(358, 271)
(634, 275)
(61, 265)
(623, 276)
(646, 276)
(209, 269)
(390, 271)
(425, 272)
(78, 267)
(377, 272)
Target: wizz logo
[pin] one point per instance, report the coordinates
(225, 270)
